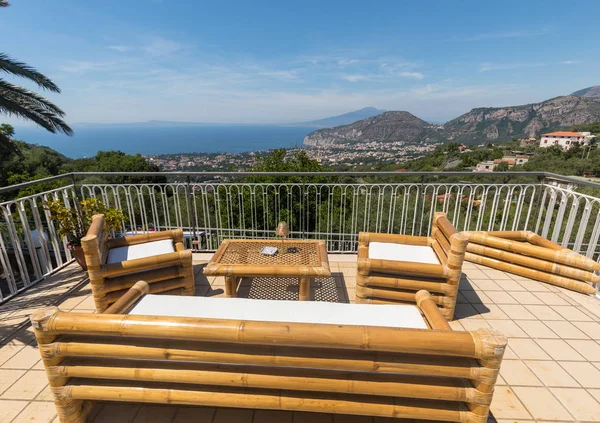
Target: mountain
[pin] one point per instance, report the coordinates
(344, 119)
(530, 120)
(588, 92)
(386, 127)
(480, 125)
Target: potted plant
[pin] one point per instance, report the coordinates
(74, 225)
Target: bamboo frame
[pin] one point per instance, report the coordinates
(233, 273)
(388, 281)
(377, 371)
(175, 267)
(529, 255)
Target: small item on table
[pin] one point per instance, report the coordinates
(293, 250)
(269, 251)
(282, 230)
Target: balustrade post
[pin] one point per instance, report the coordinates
(538, 201)
(190, 200)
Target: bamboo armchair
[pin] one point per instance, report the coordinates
(427, 374)
(115, 265)
(392, 268)
(527, 254)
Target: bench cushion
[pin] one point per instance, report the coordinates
(147, 249)
(402, 252)
(398, 316)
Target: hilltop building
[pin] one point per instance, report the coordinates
(565, 139)
(512, 161)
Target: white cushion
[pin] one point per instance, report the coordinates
(402, 252)
(397, 316)
(147, 249)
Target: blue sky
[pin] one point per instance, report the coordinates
(270, 62)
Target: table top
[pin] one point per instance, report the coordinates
(243, 257)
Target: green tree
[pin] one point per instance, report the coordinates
(26, 104)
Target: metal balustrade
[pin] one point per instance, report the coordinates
(563, 209)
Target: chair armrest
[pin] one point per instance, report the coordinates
(432, 313)
(365, 238)
(176, 235)
(127, 300)
(130, 266)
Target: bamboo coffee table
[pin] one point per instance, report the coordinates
(236, 259)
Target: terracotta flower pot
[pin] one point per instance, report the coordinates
(77, 252)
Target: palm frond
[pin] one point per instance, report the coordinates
(35, 108)
(4, 3)
(7, 144)
(14, 91)
(23, 70)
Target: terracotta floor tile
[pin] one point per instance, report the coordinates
(551, 298)
(585, 373)
(194, 415)
(344, 418)
(579, 402)
(9, 350)
(466, 310)
(9, 409)
(485, 285)
(113, 413)
(490, 311)
(26, 358)
(475, 297)
(531, 285)
(496, 274)
(474, 274)
(302, 417)
(41, 412)
(591, 329)
(228, 415)
(511, 285)
(551, 373)
(515, 372)
(526, 298)
(559, 350)
(536, 329)
(572, 314)
(155, 414)
(587, 348)
(28, 386)
(506, 405)
(527, 349)
(275, 416)
(544, 312)
(8, 377)
(474, 324)
(517, 312)
(566, 330)
(541, 403)
(501, 297)
(509, 328)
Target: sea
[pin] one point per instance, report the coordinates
(166, 138)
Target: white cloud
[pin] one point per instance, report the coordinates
(570, 62)
(356, 77)
(121, 49)
(159, 46)
(488, 66)
(501, 35)
(283, 75)
(414, 75)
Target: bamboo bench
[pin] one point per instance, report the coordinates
(431, 373)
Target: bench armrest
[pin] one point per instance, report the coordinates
(127, 300)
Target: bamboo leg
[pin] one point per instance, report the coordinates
(69, 410)
(231, 286)
(304, 292)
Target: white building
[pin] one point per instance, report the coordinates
(565, 139)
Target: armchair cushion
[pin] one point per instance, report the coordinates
(398, 316)
(147, 249)
(402, 252)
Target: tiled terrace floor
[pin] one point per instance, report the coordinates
(551, 370)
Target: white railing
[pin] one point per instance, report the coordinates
(333, 211)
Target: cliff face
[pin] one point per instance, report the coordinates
(505, 123)
(477, 126)
(386, 127)
(588, 92)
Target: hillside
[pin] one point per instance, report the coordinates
(480, 125)
(588, 92)
(346, 118)
(386, 127)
